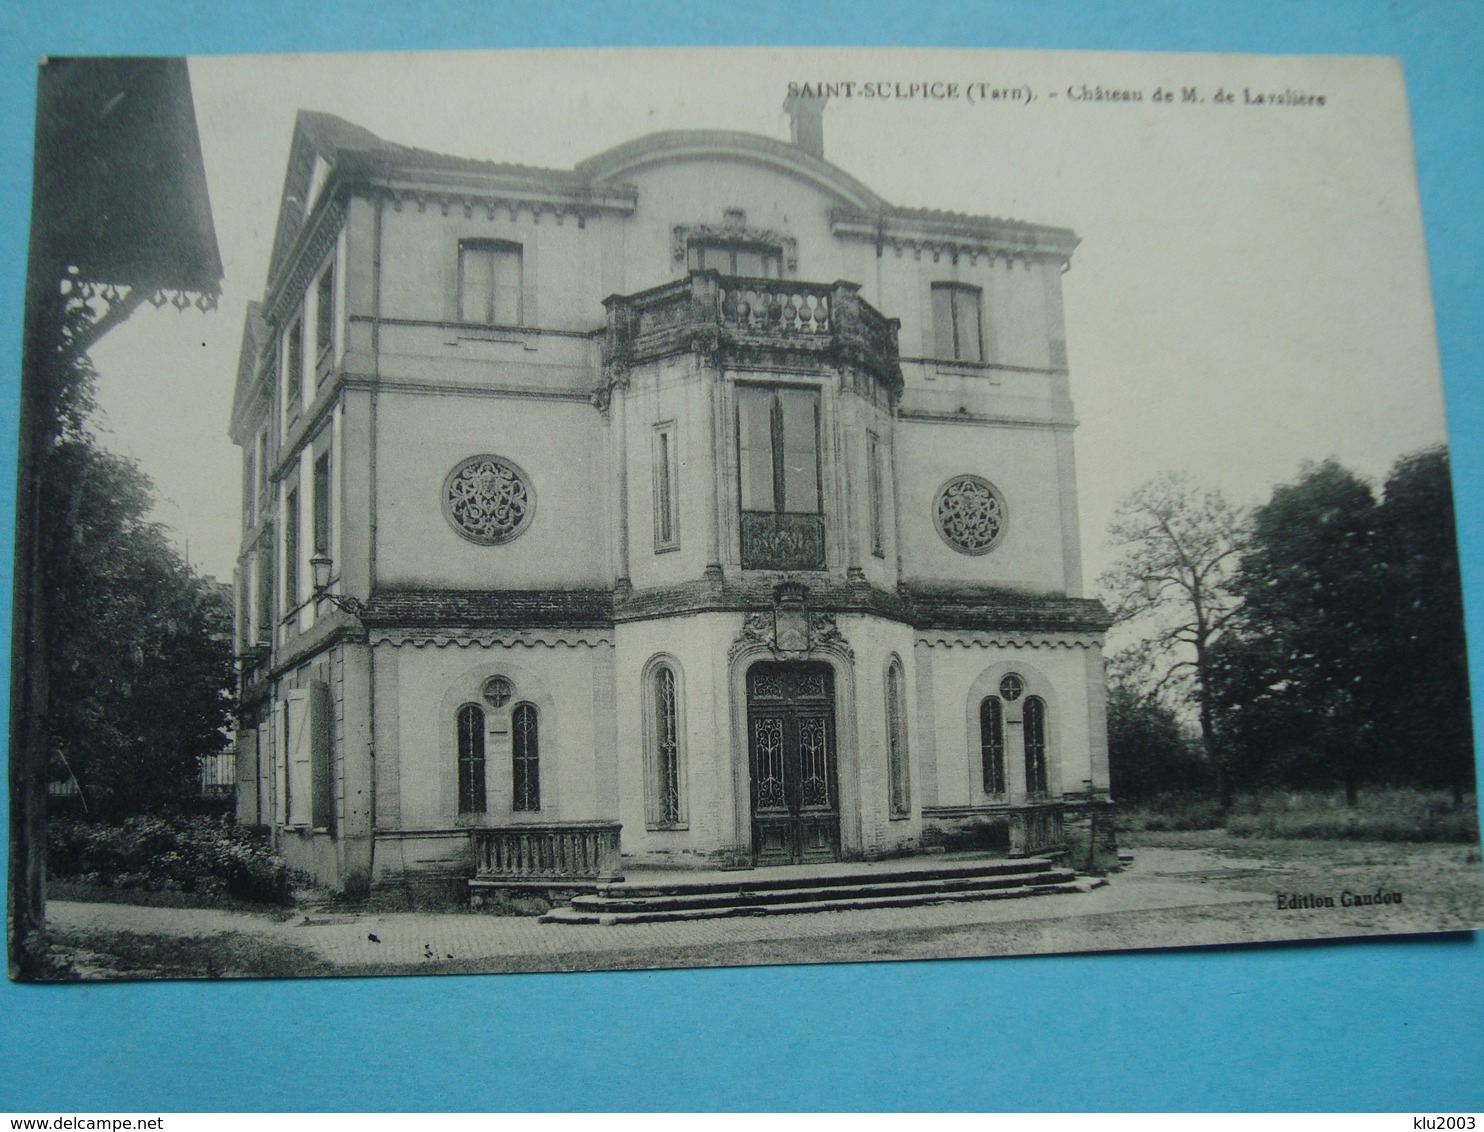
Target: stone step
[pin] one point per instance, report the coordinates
(747, 895)
(571, 915)
(784, 878)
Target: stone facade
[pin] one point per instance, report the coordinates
(686, 507)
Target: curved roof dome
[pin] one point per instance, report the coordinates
(679, 145)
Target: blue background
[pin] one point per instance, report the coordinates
(1391, 1024)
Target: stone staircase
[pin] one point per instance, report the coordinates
(785, 891)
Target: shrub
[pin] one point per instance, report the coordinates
(1380, 815)
(1165, 813)
(206, 856)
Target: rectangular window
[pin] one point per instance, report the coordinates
(666, 505)
(873, 487)
(757, 261)
(779, 473)
(291, 552)
(293, 391)
(957, 334)
(490, 283)
(324, 313)
(322, 505)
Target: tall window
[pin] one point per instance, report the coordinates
(293, 390)
(666, 503)
(322, 505)
(896, 743)
(1035, 746)
(873, 487)
(957, 334)
(291, 552)
(779, 468)
(324, 313)
(992, 744)
(490, 283)
(470, 722)
(736, 257)
(526, 746)
(665, 803)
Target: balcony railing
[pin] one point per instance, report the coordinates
(710, 312)
(774, 541)
(557, 852)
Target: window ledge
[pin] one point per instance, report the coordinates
(667, 827)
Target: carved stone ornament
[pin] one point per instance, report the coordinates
(488, 499)
(682, 235)
(970, 514)
(791, 634)
(826, 634)
(757, 629)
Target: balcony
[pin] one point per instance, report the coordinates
(754, 320)
(780, 541)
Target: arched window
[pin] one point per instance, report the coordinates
(471, 759)
(1035, 746)
(896, 743)
(992, 744)
(664, 793)
(526, 749)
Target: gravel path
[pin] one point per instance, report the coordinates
(1168, 897)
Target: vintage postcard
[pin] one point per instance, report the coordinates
(609, 509)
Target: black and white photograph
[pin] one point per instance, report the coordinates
(612, 509)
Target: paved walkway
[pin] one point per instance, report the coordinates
(1159, 880)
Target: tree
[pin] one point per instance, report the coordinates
(1180, 549)
(1150, 750)
(1298, 678)
(1425, 703)
(140, 665)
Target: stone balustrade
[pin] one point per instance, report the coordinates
(551, 853)
(745, 318)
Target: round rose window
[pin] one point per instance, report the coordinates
(970, 514)
(488, 499)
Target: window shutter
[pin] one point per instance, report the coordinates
(247, 777)
(299, 743)
(322, 794)
(278, 758)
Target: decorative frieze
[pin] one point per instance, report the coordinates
(790, 631)
(1011, 641)
(533, 639)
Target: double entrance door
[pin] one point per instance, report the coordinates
(792, 760)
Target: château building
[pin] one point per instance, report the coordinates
(691, 506)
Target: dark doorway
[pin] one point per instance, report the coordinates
(792, 755)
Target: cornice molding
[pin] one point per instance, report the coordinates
(475, 638)
(1011, 640)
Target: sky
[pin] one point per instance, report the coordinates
(1250, 292)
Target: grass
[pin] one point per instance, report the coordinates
(120, 955)
(1392, 814)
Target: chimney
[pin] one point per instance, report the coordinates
(806, 122)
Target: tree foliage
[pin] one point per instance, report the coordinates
(1296, 680)
(140, 664)
(1151, 752)
(1174, 582)
(1320, 641)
